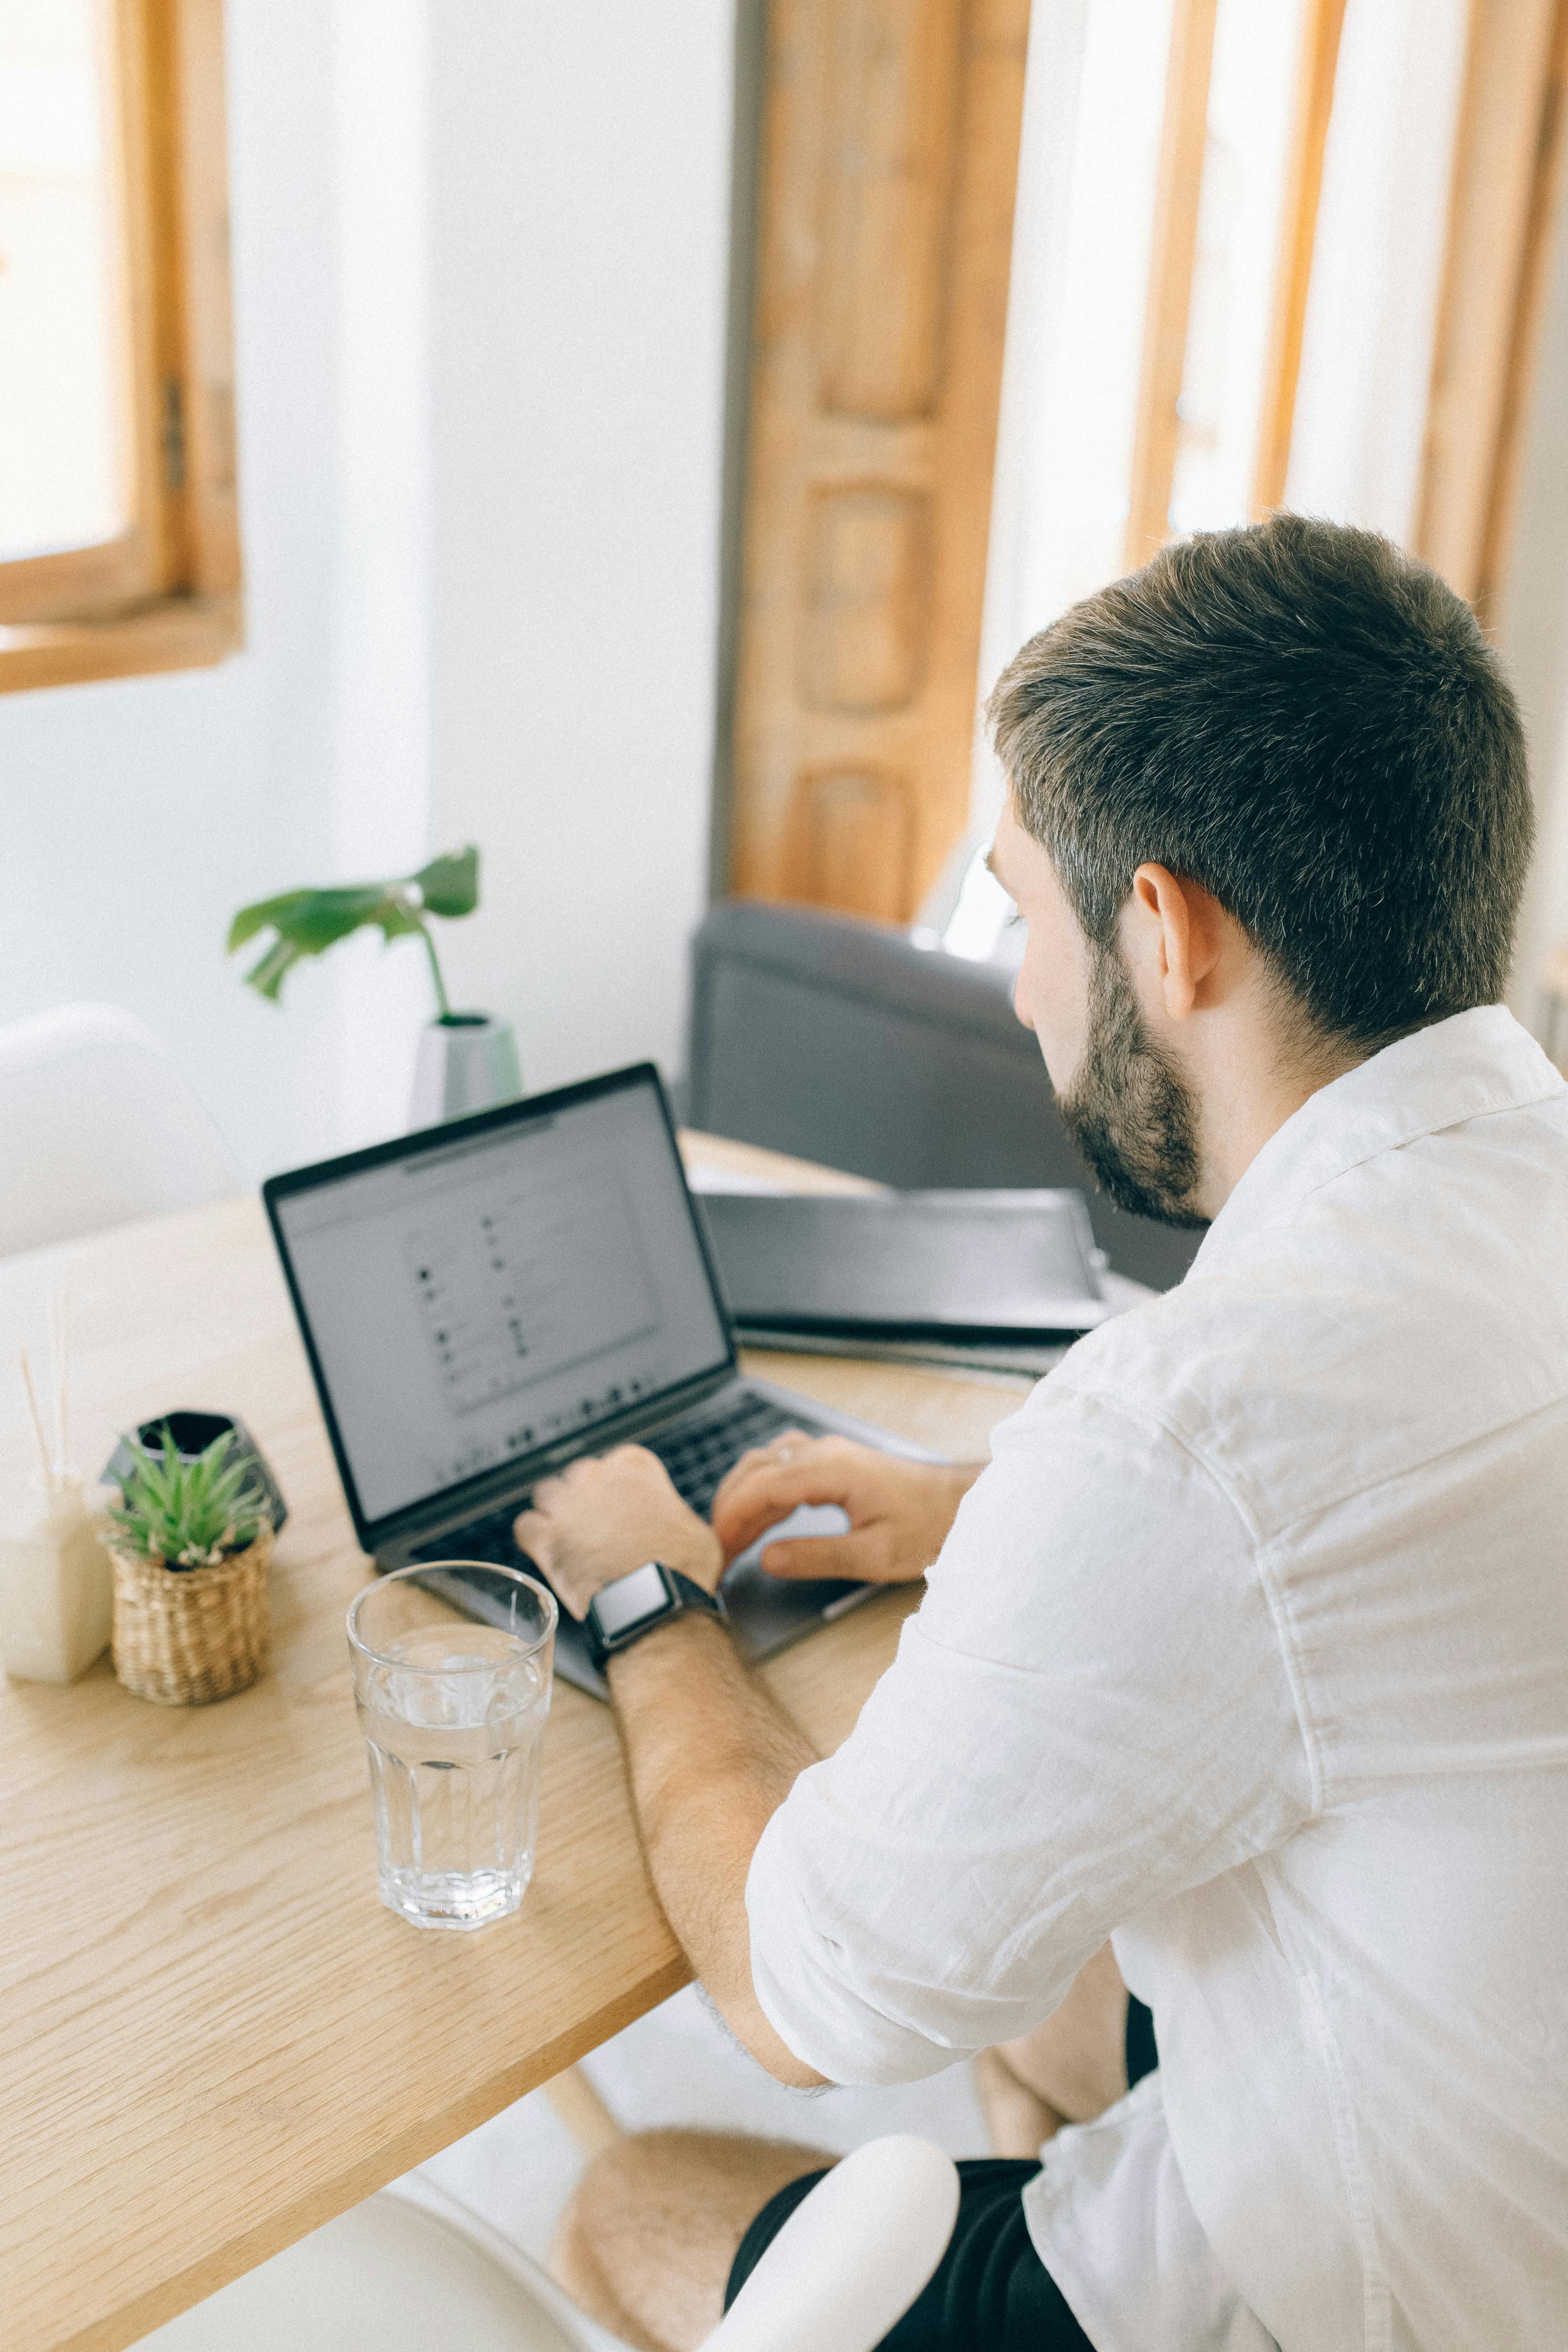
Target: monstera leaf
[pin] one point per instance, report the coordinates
(305, 922)
(450, 885)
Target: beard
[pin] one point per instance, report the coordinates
(1129, 1112)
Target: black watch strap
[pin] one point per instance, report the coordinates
(652, 1594)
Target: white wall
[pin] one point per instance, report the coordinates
(579, 178)
(140, 814)
(478, 280)
(380, 670)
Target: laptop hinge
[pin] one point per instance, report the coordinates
(510, 1479)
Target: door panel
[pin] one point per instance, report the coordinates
(889, 159)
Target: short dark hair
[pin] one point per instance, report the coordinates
(1308, 722)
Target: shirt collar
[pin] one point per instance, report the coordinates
(1472, 1064)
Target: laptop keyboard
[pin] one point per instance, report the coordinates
(700, 1450)
(697, 1451)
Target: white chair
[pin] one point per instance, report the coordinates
(96, 1126)
(411, 2269)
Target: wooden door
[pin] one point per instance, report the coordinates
(890, 160)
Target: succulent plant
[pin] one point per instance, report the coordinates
(188, 1512)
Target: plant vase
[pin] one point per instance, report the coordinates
(184, 1636)
(467, 1062)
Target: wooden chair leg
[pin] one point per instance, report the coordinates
(583, 2111)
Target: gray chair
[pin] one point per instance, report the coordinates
(843, 1041)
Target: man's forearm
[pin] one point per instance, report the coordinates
(710, 1759)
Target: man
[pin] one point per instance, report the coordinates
(1249, 1648)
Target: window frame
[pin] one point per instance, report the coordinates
(165, 593)
(1505, 176)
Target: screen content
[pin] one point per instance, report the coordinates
(476, 1303)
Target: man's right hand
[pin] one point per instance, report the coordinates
(899, 1512)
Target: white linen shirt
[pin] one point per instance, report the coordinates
(1251, 1646)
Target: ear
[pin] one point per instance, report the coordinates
(1180, 935)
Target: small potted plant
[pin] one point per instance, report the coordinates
(467, 1061)
(190, 1541)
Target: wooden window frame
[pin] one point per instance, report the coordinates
(1322, 25)
(1510, 162)
(1183, 141)
(165, 593)
(1505, 200)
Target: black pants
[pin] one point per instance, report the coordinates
(991, 2292)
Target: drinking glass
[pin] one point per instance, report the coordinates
(452, 1700)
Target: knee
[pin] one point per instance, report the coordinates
(626, 2183)
(636, 2246)
(590, 2232)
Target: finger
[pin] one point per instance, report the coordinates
(787, 1441)
(769, 1496)
(533, 1534)
(647, 1467)
(804, 1559)
(758, 1457)
(825, 1461)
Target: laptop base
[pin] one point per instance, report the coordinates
(766, 1614)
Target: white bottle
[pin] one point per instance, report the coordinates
(56, 1588)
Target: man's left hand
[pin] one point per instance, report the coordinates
(601, 1518)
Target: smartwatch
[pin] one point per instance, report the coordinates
(621, 1612)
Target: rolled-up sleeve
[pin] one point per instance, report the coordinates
(1091, 1711)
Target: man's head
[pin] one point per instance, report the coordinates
(1278, 782)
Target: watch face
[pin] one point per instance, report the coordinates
(630, 1600)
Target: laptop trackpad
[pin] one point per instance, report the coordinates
(766, 1610)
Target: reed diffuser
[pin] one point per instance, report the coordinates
(56, 1587)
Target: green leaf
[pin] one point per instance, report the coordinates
(252, 919)
(306, 922)
(320, 918)
(189, 1514)
(398, 921)
(268, 976)
(450, 885)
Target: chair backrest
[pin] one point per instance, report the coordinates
(413, 2269)
(96, 1126)
(853, 2255)
(402, 2273)
(840, 1040)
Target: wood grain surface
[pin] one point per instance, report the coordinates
(1322, 25)
(1183, 141)
(1506, 164)
(889, 156)
(215, 2039)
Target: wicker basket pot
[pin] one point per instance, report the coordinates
(184, 1636)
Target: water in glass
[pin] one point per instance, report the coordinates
(453, 1714)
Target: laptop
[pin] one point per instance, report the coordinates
(483, 1302)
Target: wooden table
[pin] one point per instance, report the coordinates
(214, 2037)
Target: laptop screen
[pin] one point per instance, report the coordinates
(477, 1300)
